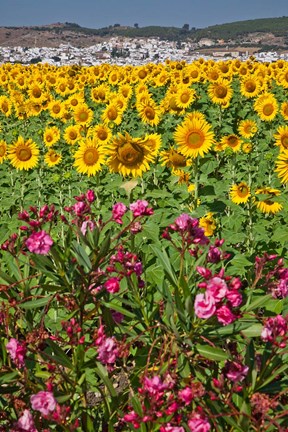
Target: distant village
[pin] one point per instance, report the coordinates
(122, 51)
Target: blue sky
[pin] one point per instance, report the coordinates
(102, 13)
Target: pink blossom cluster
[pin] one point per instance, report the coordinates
(160, 397)
(108, 350)
(139, 208)
(17, 352)
(73, 330)
(220, 297)
(275, 331)
(235, 371)
(189, 230)
(39, 243)
(25, 423)
(123, 264)
(276, 278)
(81, 211)
(44, 402)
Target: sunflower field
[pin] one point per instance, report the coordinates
(143, 277)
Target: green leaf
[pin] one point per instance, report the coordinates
(34, 304)
(253, 331)
(103, 374)
(81, 256)
(58, 355)
(259, 302)
(166, 264)
(212, 353)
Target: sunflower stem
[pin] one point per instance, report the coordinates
(196, 181)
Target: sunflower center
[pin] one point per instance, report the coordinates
(102, 135)
(142, 74)
(4, 107)
(53, 157)
(268, 109)
(243, 190)
(195, 139)
(184, 97)
(73, 135)
(149, 113)
(232, 141)
(221, 91)
(91, 156)
(49, 138)
(130, 154)
(112, 113)
(36, 92)
(83, 116)
(56, 109)
(2, 150)
(24, 154)
(250, 86)
(194, 74)
(284, 141)
(74, 102)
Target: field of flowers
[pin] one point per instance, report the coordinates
(143, 278)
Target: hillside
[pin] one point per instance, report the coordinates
(269, 33)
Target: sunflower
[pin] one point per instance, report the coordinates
(3, 151)
(173, 159)
(266, 106)
(90, 157)
(247, 147)
(112, 114)
(282, 166)
(268, 205)
(149, 112)
(72, 134)
(102, 133)
(240, 193)
(250, 87)
(284, 78)
(220, 92)
(74, 100)
(208, 223)
(232, 141)
(23, 154)
(185, 96)
(5, 105)
(247, 128)
(36, 93)
(100, 94)
(126, 91)
(51, 136)
(284, 110)
(52, 158)
(128, 156)
(83, 115)
(194, 137)
(281, 137)
(56, 109)
(152, 141)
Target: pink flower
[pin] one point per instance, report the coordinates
(234, 371)
(204, 306)
(273, 328)
(16, 351)
(198, 424)
(183, 222)
(140, 208)
(90, 196)
(154, 385)
(39, 242)
(87, 224)
(217, 288)
(44, 402)
(26, 422)
(234, 297)
(169, 428)
(108, 351)
(225, 316)
(118, 211)
(112, 285)
(186, 395)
